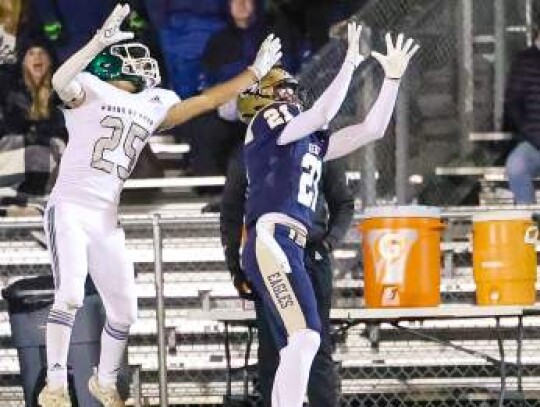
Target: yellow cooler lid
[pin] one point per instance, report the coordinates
(404, 211)
(509, 214)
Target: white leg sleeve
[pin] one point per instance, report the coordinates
(113, 346)
(291, 380)
(59, 326)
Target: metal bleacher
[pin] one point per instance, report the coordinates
(492, 179)
(393, 367)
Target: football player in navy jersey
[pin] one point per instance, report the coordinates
(283, 151)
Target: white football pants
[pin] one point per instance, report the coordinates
(85, 240)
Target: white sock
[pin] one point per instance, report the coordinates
(291, 380)
(59, 326)
(113, 345)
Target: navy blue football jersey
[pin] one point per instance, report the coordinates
(281, 178)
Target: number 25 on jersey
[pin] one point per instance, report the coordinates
(112, 142)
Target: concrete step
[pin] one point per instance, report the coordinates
(439, 128)
(493, 136)
(436, 105)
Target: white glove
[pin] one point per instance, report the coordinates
(110, 31)
(267, 56)
(353, 51)
(397, 58)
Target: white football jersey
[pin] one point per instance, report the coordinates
(106, 136)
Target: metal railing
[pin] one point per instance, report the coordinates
(453, 87)
(364, 377)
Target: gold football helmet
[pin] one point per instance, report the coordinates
(276, 85)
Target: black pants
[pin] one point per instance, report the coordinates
(322, 387)
(211, 140)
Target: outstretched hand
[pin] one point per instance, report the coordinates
(110, 32)
(397, 57)
(267, 56)
(354, 56)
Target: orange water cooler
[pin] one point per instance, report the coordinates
(402, 257)
(504, 258)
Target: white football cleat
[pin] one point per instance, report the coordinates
(54, 397)
(108, 396)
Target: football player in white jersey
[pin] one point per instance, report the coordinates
(111, 111)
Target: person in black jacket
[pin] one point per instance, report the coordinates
(230, 50)
(334, 211)
(227, 53)
(522, 110)
(31, 125)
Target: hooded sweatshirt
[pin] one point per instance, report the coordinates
(522, 104)
(231, 50)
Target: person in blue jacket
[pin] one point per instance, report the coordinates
(228, 52)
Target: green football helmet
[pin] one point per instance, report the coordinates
(130, 62)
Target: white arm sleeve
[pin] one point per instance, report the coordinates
(322, 111)
(63, 80)
(348, 139)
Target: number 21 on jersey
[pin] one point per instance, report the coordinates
(274, 117)
(308, 190)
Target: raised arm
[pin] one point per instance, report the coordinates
(373, 127)
(269, 53)
(328, 104)
(63, 80)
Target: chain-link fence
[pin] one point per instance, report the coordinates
(449, 92)
(450, 97)
(378, 364)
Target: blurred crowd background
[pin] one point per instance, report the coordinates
(198, 44)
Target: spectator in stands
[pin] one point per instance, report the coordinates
(15, 22)
(333, 217)
(184, 27)
(228, 52)
(32, 132)
(316, 17)
(68, 25)
(522, 111)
